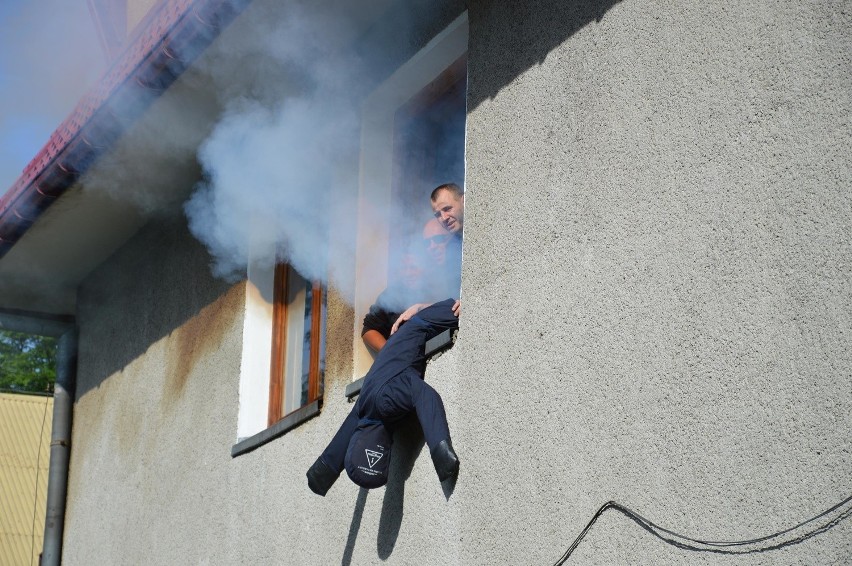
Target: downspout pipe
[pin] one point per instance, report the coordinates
(64, 328)
(60, 447)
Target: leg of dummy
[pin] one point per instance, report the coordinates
(335, 452)
(439, 317)
(402, 351)
(408, 392)
(325, 471)
(430, 411)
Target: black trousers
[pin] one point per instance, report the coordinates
(394, 385)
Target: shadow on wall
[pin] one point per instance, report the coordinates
(408, 445)
(156, 286)
(507, 38)
(354, 526)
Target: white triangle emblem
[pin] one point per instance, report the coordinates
(373, 456)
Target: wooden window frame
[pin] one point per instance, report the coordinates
(277, 372)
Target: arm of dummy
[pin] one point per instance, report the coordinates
(414, 309)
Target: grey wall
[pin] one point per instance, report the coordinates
(656, 278)
(152, 480)
(656, 311)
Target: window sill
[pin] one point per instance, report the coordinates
(280, 428)
(434, 348)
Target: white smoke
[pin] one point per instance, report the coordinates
(269, 185)
(271, 114)
(269, 164)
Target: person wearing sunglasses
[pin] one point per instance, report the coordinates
(448, 209)
(435, 240)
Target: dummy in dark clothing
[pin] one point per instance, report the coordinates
(393, 388)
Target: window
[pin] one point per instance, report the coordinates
(428, 149)
(297, 367)
(286, 313)
(412, 141)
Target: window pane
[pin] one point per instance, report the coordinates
(428, 151)
(306, 346)
(301, 324)
(294, 354)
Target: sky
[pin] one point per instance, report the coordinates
(50, 56)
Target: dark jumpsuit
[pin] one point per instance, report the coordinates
(394, 385)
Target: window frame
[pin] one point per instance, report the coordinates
(277, 373)
(426, 70)
(263, 330)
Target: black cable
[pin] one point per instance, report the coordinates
(38, 470)
(719, 547)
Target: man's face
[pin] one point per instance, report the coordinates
(449, 210)
(435, 238)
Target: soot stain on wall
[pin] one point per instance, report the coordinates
(198, 337)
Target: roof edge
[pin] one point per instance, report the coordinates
(169, 39)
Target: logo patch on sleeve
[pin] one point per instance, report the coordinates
(372, 456)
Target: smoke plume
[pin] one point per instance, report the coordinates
(270, 190)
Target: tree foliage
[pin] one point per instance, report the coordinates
(27, 362)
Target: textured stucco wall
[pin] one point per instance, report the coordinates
(657, 278)
(152, 480)
(656, 309)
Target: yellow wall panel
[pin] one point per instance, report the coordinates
(25, 424)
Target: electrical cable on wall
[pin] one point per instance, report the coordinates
(794, 535)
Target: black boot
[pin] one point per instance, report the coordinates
(321, 477)
(445, 460)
